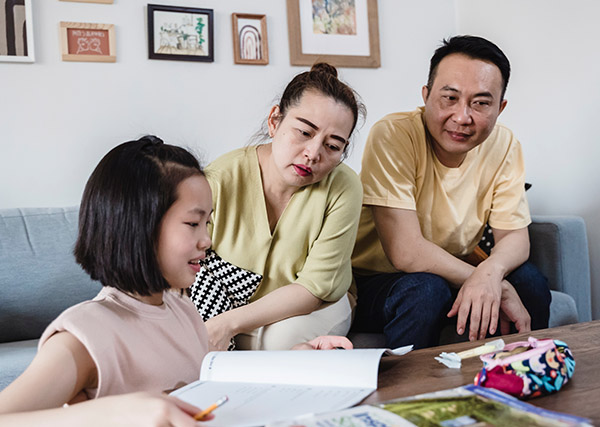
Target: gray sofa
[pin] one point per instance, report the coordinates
(39, 277)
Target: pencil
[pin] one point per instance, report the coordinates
(200, 415)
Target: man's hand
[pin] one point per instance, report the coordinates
(512, 310)
(326, 342)
(480, 296)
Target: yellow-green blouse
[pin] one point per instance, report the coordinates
(313, 240)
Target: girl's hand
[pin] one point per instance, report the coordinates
(326, 342)
(142, 409)
(135, 409)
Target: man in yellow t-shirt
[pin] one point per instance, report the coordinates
(432, 179)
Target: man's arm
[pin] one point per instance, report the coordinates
(483, 290)
(408, 251)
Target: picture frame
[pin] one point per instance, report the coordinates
(344, 33)
(16, 25)
(87, 42)
(250, 41)
(180, 33)
(91, 1)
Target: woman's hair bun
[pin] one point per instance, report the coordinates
(323, 67)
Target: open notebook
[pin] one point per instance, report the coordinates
(268, 386)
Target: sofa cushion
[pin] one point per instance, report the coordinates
(38, 274)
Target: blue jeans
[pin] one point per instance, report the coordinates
(411, 308)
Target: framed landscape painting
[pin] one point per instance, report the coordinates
(249, 39)
(344, 33)
(16, 31)
(180, 33)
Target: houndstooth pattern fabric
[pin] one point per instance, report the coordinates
(221, 286)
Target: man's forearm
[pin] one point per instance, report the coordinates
(427, 257)
(511, 249)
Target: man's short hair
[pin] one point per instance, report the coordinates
(473, 47)
(123, 203)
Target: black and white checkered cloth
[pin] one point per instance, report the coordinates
(221, 286)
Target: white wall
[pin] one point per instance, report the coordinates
(553, 107)
(58, 118)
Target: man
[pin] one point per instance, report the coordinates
(432, 179)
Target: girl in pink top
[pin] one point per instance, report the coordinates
(142, 234)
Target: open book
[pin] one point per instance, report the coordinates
(268, 386)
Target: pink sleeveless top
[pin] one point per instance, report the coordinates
(136, 346)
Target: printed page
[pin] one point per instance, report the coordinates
(341, 368)
(252, 404)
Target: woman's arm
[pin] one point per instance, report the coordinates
(284, 302)
(59, 372)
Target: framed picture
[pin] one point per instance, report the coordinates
(344, 33)
(180, 33)
(250, 45)
(91, 1)
(81, 41)
(16, 31)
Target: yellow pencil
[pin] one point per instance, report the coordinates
(200, 415)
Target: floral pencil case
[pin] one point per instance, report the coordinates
(528, 369)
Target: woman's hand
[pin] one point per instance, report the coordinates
(326, 342)
(219, 332)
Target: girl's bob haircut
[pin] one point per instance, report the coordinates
(121, 210)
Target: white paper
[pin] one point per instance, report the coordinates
(269, 386)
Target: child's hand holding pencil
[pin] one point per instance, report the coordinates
(201, 416)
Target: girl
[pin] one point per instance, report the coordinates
(288, 210)
(142, 233)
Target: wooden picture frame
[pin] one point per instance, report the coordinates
(16, 44)
(86, 42)
(180, 33)
(347, 36)
(92, 1)
(250, 41)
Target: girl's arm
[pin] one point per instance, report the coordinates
(284, 302)
(137, 409)
(59, 372)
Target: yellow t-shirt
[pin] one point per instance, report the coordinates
(400, 170)
(313, 240)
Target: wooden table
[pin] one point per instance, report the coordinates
(418, 372)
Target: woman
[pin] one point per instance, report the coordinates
(288, 210)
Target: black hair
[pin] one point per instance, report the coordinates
(475, 48)
(123, 203)
(322, 78)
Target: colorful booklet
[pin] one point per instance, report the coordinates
(463, 406)
(269, 386)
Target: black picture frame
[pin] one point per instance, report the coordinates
(178, 37)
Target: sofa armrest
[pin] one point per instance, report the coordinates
(559, 248)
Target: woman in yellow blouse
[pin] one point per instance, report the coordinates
(288, 210)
